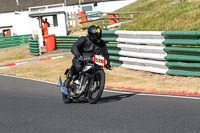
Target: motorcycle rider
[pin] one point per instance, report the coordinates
(88, 46)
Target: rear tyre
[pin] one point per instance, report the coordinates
(95, 94)
(66, 99)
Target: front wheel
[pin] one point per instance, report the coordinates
(97, 87)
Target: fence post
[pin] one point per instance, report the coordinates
(90, 20)
(72, 19)
(76, 19)
(68, 20)
(117, 17)
(79, 19)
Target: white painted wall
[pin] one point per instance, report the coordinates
(20, 22)
(61, 29)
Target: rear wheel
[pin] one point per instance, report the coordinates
(96, 89)
(66, 99)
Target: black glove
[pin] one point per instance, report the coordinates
(108, 66)
(80, 58)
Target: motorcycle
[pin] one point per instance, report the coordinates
(89, 84)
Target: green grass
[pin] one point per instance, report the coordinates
(161, 15)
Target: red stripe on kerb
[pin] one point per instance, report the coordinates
(45, 59)
(120, 88)
(174, 93)
(10, 65)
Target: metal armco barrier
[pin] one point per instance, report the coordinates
(12, 41)
(34, 47)
(141, 50)
(183, 52)
(166, 52)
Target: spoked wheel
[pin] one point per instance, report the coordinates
(96, 89)
(66, 99)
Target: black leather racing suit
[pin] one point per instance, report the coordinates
(86, 48)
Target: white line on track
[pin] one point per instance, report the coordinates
(112, 91)
(44, 81)
(155, 95)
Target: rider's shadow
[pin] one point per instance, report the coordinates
(108, 99)
(115, 98)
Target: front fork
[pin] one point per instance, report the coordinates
(92, 85)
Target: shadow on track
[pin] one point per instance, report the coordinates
(115, 98)
(108, 99)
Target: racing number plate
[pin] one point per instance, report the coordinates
(99, 60)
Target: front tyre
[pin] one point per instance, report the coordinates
(66, 99)
(97, 87)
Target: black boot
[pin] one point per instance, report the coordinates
(69, 76)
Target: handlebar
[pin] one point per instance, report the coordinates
(85, 59)
(91, 60)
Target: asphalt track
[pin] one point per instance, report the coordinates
(28, 106)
